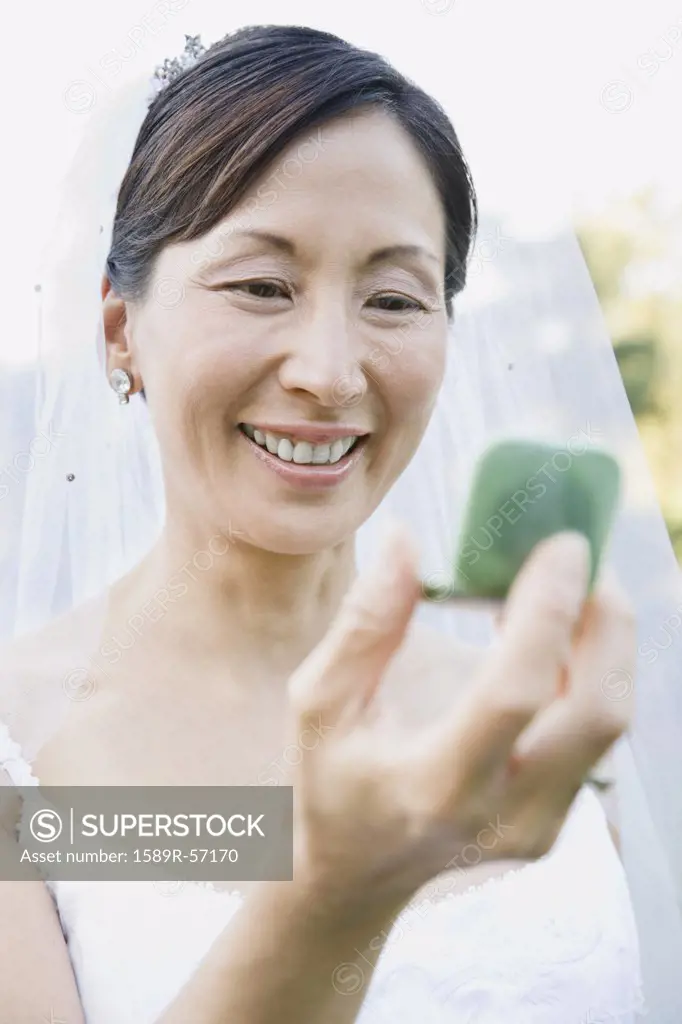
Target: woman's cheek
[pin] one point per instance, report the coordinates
(212, 362)
(410, 368)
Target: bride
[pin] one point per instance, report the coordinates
(291, 208)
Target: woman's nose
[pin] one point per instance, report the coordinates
(324, 360)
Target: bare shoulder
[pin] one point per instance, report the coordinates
(54, 643)
(41, 669)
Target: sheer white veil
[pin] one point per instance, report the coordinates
(529, 356)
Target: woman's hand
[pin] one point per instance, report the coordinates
(377, 815)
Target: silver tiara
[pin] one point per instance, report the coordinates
(172, 67)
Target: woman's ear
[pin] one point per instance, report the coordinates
(116, 334)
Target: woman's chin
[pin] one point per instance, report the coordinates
(306, 535)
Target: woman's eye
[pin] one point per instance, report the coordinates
(259, 289)
(396, 303)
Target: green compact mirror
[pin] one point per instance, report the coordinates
(523, 492)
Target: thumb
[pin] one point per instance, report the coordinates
(523, 671)
(541, 613)
(345, 669)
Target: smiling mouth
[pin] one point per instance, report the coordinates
(302, 453)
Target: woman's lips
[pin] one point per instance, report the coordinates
(316, 477)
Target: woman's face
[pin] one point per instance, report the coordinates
(313, 314)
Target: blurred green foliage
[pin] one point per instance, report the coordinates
(634, 252)
(639, 362)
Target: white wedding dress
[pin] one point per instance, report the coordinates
(553, 942)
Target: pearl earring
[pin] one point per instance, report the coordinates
(121, 381)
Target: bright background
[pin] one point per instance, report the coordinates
(587, 95)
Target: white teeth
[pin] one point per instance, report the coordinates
(321, 454)
(301, 452)
(336, 451)
(285, 450)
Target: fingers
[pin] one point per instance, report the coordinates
(342, 674)
(567, 739)
(540, 616)
(523, 672)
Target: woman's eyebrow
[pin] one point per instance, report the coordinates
(214, 256)
(378, 256)
(385, 254)
(269, 238)
(390, 252)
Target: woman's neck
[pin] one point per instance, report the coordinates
(227, 598)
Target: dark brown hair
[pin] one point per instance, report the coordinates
(215, 128)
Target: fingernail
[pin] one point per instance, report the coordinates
(572, 557)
